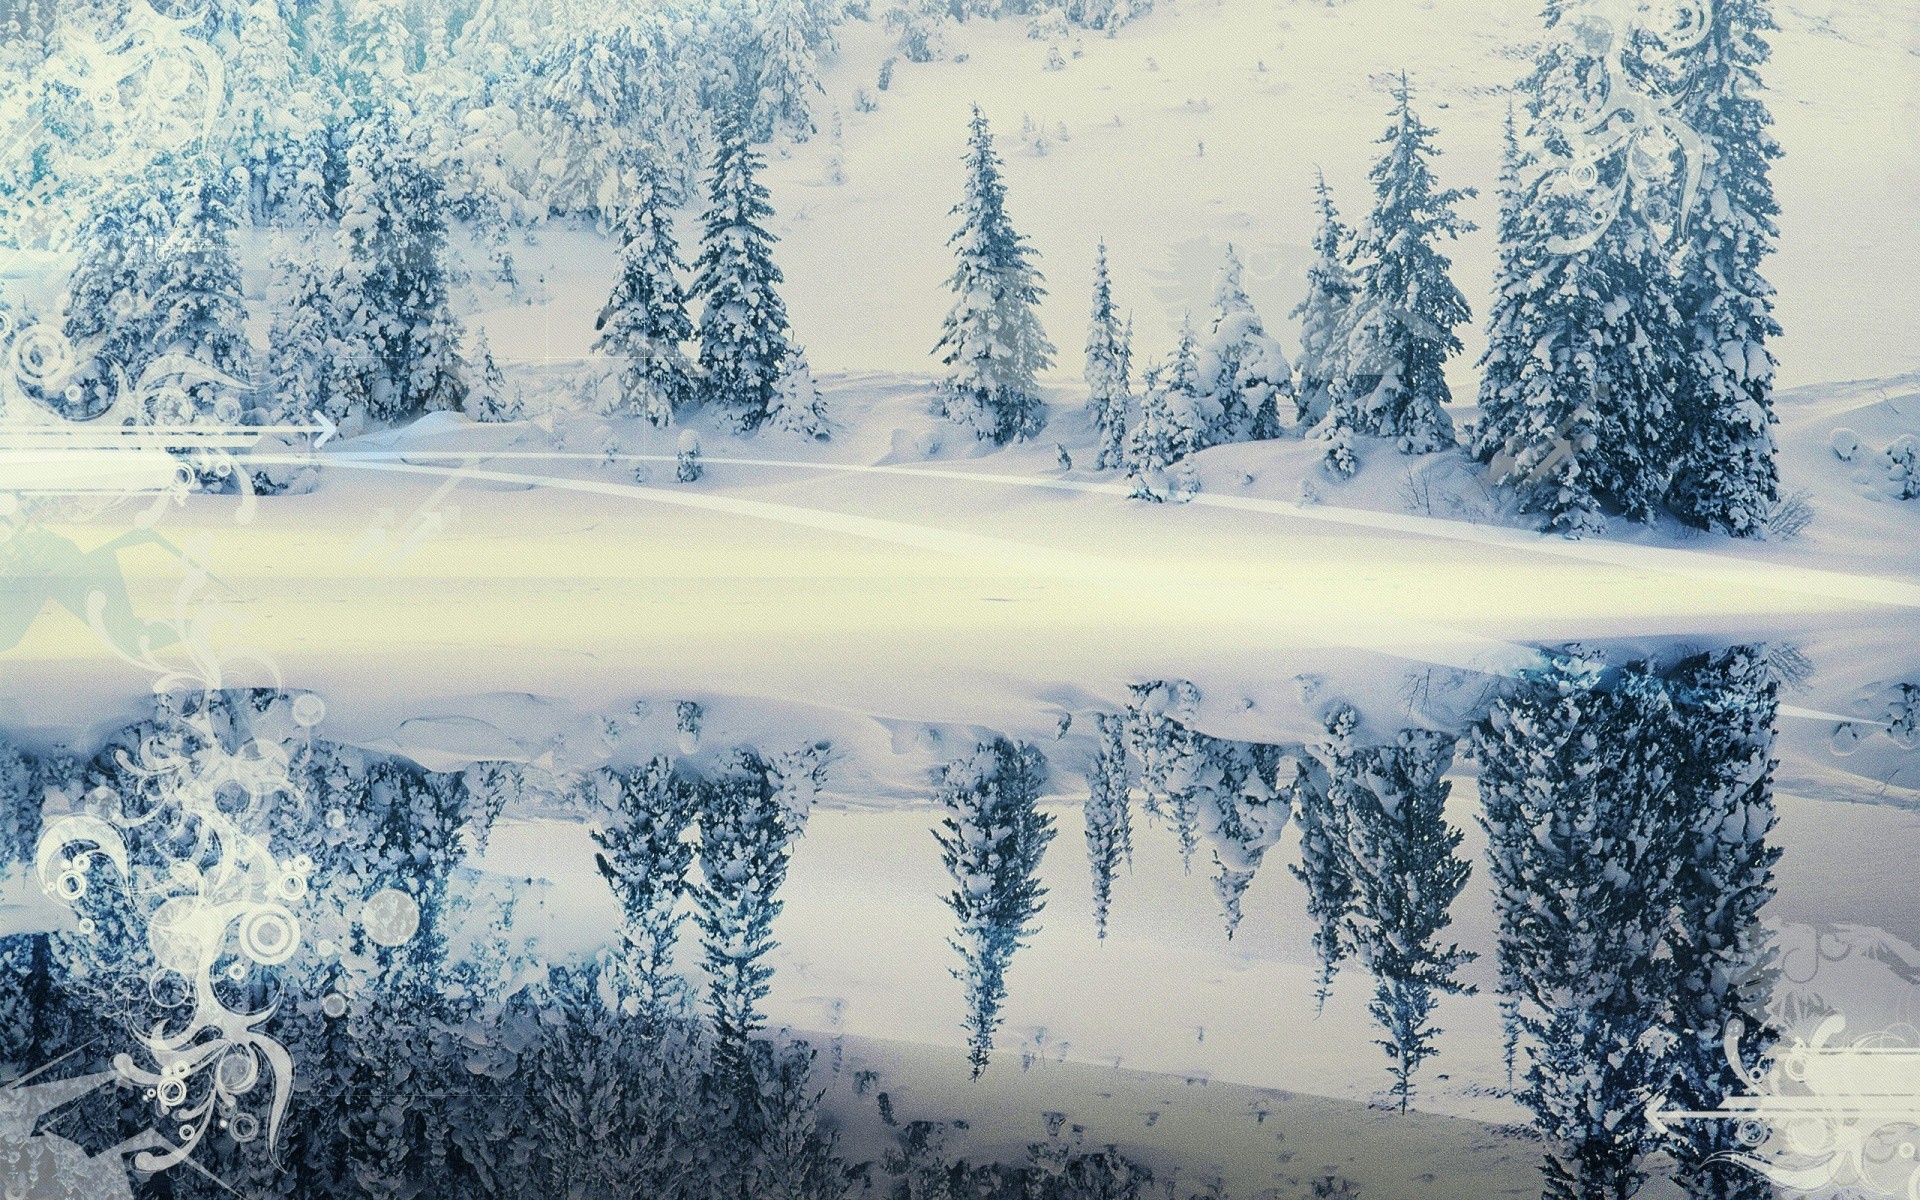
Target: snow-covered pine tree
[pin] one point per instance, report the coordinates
(993, 344)
(645, 324)
(1168, 428)
(302, 339)
(1243, 374)
(1575, 391)
(106, 312)
(786, 74)
(645, 855)
(920, 27)
(1322, 312)
(400, 342)
(198, 307)
(797, 406)
(992, 839)
(1399, 327)
(594, 113)
(379, 54)
(1725, 703)
(1108, 385)
(1587, 835)
(275, 114)
(1725, 476)
(1108, 815)
(743, 324)
(750, 815)
(1400, 859)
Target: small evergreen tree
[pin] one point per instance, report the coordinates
(1108, 385)
(302, 339)
(1108, 816)
(743, 324)
(1399, 327)
(1168, 429)
(797, 405)
(644, 323)
(1400, 859)
(1243, 375)
(993, 343)
(992, 839)
(785, 72)
(1322, 312)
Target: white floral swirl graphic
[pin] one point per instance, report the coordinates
(219, 908)
(1824, 1113)
(1624, 143)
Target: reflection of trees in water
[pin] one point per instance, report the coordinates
(1627, 813)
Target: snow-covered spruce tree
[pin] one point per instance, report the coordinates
(1244, 376)
(379, 53)
(993, 343)
(645, 855)
(644, 323)
(1108, 385)
(303, 337)
(1399, 327)
(750, 815)
(797, 405)
(107, 312)
(276, 117)
(1575, 393)
(1168, 428)
(1587, 836)
(1108, 815)
(400, 342)
(1322, 870)
(1725, 703)
(1223, 792)
(198, 307)
(1725, 476)
(743, 324)
(1322, 312)
(1400, 858)
(590, 89)
(787, 35)
(992, 839)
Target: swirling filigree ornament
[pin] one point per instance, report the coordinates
(1622, 146)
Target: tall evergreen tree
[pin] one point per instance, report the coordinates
(1322, 312)
(1725, 704)
(992, 838)
(1725, 476)
(645, 855)
(1108, 816)
(109, 313)
(275, 112)
(1586, 839)
(1244, 376)
(302, 339)
(1399, 328)
(644, 323)
(748, 822)
(1575, 395)
(1400, 858)
(400, 340)
(1108, 385)
(197, 299)
(743, 324)
(993, 343)
(785, 70)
